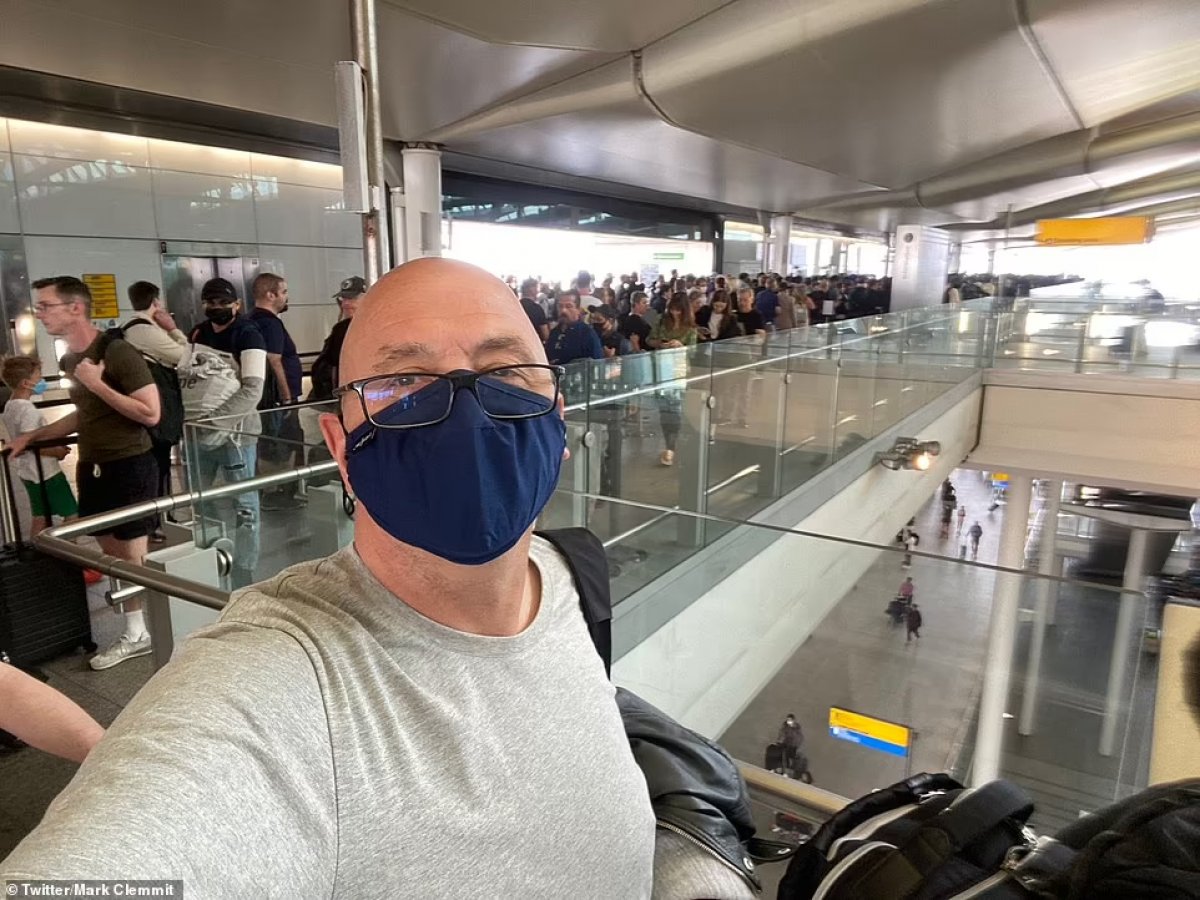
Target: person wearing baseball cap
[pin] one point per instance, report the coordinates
(324, 368)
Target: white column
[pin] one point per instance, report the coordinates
(1123, 637)
(1046, 588)
(1002, 636)
(422, 201)
(781, 246)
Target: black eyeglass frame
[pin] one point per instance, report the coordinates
(458, 381)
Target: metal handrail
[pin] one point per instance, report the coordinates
(820, 802)
(57, 541)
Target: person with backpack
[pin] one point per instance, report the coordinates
(116, 401)
(222, 376)
(153, 333)
(325, 366)
(912, 622)
(974, 533)
(790, 740)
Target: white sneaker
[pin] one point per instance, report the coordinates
(122, 650)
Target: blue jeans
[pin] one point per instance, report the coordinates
(234, 464)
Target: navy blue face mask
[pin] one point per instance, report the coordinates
(465, 489)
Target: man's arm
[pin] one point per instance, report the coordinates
(595, 348)
(44, 718)
(156, 342)
(218, 772)
(141, 405)
(275, 360)
(245, 399)
(68, 424)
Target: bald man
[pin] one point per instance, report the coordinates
(421, 714)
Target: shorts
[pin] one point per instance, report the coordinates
(57, 490)
(107, 486)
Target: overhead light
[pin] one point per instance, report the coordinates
(910, 453)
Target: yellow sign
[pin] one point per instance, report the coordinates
(878, 734)
(999, 476)
(1107, 230)
(104, 295)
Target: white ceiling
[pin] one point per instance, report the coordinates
(774, 105)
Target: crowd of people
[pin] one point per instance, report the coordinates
(132, 387)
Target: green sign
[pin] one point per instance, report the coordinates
(668, 256)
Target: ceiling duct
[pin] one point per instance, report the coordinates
(1089, 152)
(1171, 186)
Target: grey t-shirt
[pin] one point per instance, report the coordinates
(325, 740)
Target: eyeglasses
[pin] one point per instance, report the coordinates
(416, 399)
(42, 307)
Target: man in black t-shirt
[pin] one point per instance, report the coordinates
(325, 367)
(750, 318)
(233, 456)
(634, 325)
(533, 309)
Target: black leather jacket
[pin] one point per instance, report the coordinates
(695, 786)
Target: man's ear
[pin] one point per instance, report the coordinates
(335, 440)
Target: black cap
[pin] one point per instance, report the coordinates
(351, 287)
(218, 289)
(604, 310)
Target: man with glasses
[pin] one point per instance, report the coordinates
(231, 451)
(421, 713)
(115, 400)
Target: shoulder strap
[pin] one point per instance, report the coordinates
(972, 815)
(133, 322)
(589, 567)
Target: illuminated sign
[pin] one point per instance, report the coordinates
(1106, 230)
(104, 295)
(867, 731)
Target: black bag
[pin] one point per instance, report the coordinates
(169, 429)
(43, 600)
(924, 838)
(588, 562)
(773, 758)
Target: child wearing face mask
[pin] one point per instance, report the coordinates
(23, 375)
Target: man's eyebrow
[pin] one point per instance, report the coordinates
(401, 354)
(502, 343)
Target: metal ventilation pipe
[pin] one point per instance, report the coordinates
(1085, 152)
(1171, 186)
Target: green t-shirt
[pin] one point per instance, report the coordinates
(104, 434)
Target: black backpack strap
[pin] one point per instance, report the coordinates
(132, 322)
(589, 567)
(971, 816)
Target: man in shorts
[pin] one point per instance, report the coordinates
(115, 400)
(49, 491)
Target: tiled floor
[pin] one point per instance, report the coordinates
(857, 659)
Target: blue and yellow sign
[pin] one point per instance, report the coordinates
(867, 731)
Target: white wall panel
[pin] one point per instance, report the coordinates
(128, 260)
(296, 171)
(293, 214)
(180, 157)
(204, 207)
(84, 198)
(10, 221)
(38, 139)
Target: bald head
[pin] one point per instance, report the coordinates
(437, 315)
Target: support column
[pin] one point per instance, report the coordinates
(1046, 588)
(781, 245)
(422, 201)
(365, 45)
(1002, 635)
(1124, 637)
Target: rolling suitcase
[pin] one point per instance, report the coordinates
(773, 759)
(43, 600)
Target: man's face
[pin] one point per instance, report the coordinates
(221, 303)
(476, 325)
(55, 314)
(745, 301)
(568, 310)
(349, 305)
(281, 297)
(641, 306)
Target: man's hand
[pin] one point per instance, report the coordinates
(90, 374)
(18, 444)
(164, 320)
